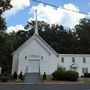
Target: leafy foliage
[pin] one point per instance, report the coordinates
(21, 77)
(4, 5)
(58, 75)
(5, 57)
(44, 76)
(87, 75)
(2, 24)
(83, 36)
(14, 76)
(65, 75)
(71, 75)
(4, 79)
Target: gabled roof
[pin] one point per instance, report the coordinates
(34, 37)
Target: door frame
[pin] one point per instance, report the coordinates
(33, 61)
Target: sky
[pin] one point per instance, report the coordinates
(24, 11)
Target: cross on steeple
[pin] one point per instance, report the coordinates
(36, 25)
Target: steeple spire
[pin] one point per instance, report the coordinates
(36, 25)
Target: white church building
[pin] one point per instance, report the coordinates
(36, 56)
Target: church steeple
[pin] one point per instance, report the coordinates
(36, 25)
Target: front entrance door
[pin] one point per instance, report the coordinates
(34, 66)
(74, 67)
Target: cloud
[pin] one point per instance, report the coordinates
(71, 7)
(17, 6)
(57, 15)
(14, 28)
(88, 16)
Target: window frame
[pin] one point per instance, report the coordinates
(85, 70)
(62, 59)
(73, 59)
(84, 60)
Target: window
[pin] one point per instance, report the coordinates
(62, 59)
(84, 60)
(73, 59)
(84, 70)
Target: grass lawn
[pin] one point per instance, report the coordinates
(86, 80)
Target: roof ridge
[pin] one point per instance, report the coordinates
(33, 37)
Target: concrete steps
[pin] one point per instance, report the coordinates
(32, 78)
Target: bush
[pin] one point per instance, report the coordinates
(82, 76)
(44, 76)
(87, 75)
(65, 75)
(4, 78)
(61, 69)
(21, 77)
(6, 74)
(58, 75)
(14, 76)
(71, 75)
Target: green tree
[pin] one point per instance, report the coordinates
(83, 36)
(4, 5)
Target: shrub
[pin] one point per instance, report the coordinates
(71, 75)
(82, 76)
(4, 78)
(61, 69)
(14, 76)
(44, 76)
(5, 74)
(65, 75)
(8, 75)
(58, 75)
(87, 75)
(54, 75)
(21, 77)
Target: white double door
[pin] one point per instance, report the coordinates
(34, 66)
